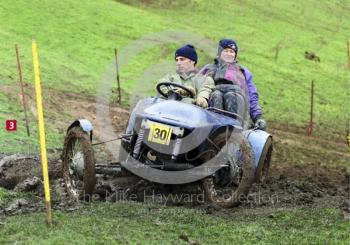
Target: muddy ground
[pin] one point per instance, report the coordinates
(305, 171)
(324, 187)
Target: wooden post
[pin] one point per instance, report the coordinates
(310, 128)
(349, 55)
(22, 89)
(117, 70)
(278, 48)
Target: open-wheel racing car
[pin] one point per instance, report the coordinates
(171, 142)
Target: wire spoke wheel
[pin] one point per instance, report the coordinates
(226, 194)
(78, 164)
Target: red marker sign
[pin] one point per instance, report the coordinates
(11, 125)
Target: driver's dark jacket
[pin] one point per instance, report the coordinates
(201, 85)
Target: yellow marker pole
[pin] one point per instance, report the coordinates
(41, 131)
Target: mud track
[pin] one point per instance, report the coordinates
(305, 172)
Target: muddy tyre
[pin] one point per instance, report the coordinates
(231, 195)
(78, 164)
(262, 172)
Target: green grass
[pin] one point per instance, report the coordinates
(76, 42)
(4, 195)
(300, 26)
(135, 223)
(73, 53)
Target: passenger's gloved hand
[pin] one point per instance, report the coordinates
(202, 102)
(260, 124)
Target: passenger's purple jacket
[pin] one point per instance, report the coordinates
(217, 71)
(255, 109)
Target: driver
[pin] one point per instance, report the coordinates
(201, 86)
(229, 77)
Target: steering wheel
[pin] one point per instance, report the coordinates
(168, 84)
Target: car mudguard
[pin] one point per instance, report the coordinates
(85, 124)
(257, 139)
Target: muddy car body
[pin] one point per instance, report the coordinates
(170, 142)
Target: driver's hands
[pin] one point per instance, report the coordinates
(202, 102)
(164, 89)
(180, 91)
(183, 92)
(260, 124)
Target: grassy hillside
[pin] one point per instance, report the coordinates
(76, 42)
(133, 223)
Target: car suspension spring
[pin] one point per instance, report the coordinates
(176, 149)
(138, 143)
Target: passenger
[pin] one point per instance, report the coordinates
(229, 78)
(186, 74)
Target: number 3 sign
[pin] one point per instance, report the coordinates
(11, 125)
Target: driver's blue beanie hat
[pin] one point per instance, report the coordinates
(227, 43)
(187, 51)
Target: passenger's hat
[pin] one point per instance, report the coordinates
(227, 43)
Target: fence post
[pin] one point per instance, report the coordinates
(310, 128)
(117, 70)
(22, 90)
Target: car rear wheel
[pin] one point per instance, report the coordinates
(230, 194)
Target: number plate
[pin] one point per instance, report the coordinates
(160, 134)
